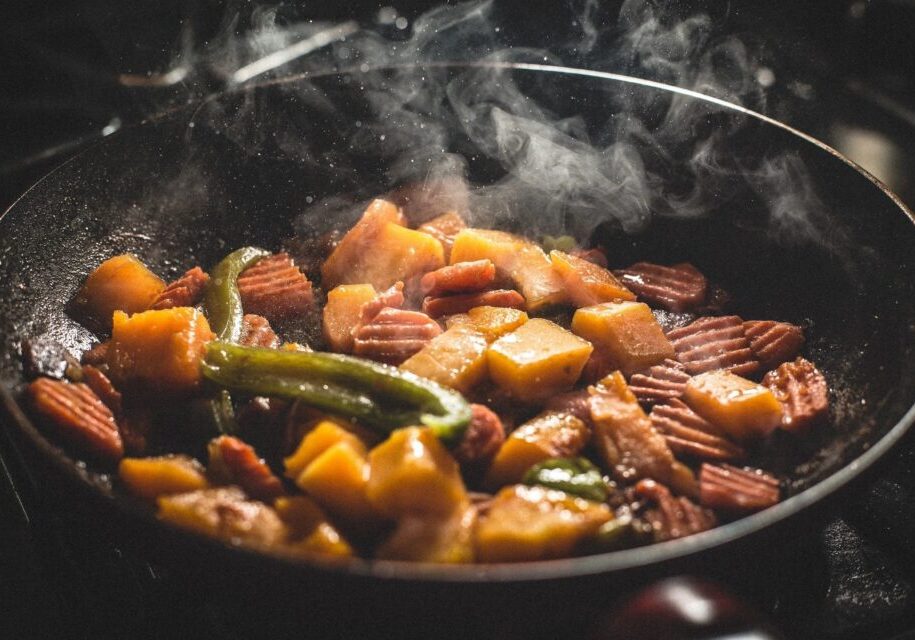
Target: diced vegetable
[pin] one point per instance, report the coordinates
(342, 384)
(121, 283)
(444, 228)
(221, 297)
(338, 480)
(342, 314)
(575, 476)
(224, 513)
(495, 322)
(549, 435)
(515, 257)
(739, 407)
(412, 472)
(150, 478)
(626, 331)
(535, 523)
(159, 350)
(309, 529)
(537, 360)
(357, 241)
(455, 358)
(323, 435)
(587, 283)
(444, 539)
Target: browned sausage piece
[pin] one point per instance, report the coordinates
(238, 461)
(275, 288)
(394, 335)
(463, 277)
(734, 489)
(257, 332)
(671, 517)
(680, 287)
(802, 391)
(714, 343)
(773, 342)
(688, 434)
(450, 305)
(186, 291)
(660, 383)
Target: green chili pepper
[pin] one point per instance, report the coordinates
(382, 397)
(572, 475)
(222, 300)
(622, 532)
(559, 243)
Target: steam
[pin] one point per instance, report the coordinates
(654, 154)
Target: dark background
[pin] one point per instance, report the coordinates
(71, 71)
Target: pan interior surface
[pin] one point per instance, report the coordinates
(295, 159)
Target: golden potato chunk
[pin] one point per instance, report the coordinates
(455, 358)
(626, 332)
(587, 283)
(309, 529)
(413, 473)
(495, 322)
(322, 437)
(338, 480)
(444, 539)
(517, 258)
(537, 360)
(159, 350)
(150, 478)
(549, 435)
(535, 523)
(358, 241)
(343, 312)
(739, 407)
(121, 283)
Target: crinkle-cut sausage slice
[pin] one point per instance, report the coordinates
(79, 416)
(689, 434)
(482, 439)
(660, 383)
(275, 288)
(238, 463)
(734, 489)
(773, 342)
(802, 391)
(462, 277)
(391, 297)
(680, 287)
(714, 343)
(186, 291)
(97, 355)
(450, 305)
(103, 388)
(257, 332)
(671, 517)
(574, 403)
(594, 256)
(394, 335)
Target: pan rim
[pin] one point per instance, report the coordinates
(618, 561)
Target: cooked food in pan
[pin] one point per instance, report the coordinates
(463, 395)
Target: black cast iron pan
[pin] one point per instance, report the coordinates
(250, 166)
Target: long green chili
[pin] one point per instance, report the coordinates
(222, 300)
(381, 396)
(572, 475)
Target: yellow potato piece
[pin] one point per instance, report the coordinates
(535, 523)
(337, 480)
(549, 435)
(121, 283)
(537, 360)
(495, 322)
(587, 283)
(413, 473)
(455, 358)
(159, 350)
(323, 435)
(517, 258)
(444, 539)
(739, 407)
(309, 528)
(150, 478)
(357, 242)
(342, 312)
(627, 332)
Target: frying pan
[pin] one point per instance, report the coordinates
(251, 166)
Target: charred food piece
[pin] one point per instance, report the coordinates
(79, 416)
(773, 342)
(689, 434)
(672, 517)
(734, 489)
(256, 332)
(714, 343)
(43, 356)
(450, 305)
(394, 335)
(802, 391)
(234, 461)
(275, 288)
(680, 287)
(186, 291)
(660, 383)
(97, 355)
(463, 277)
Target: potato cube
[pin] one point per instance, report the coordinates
(549, 435)
(412, 472)
(495, 322)
(627, 332)
(150, 478)
(354, 246)
(444, 228)
(309, 529)
(535, 523)
(337, 479)
(739, 407)
(343, 312)
(587, 283)
(455, 358)
(537, 360)
(517, 258)
(159, 350)
(324, 435)
(121, 283)
(446, 539)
